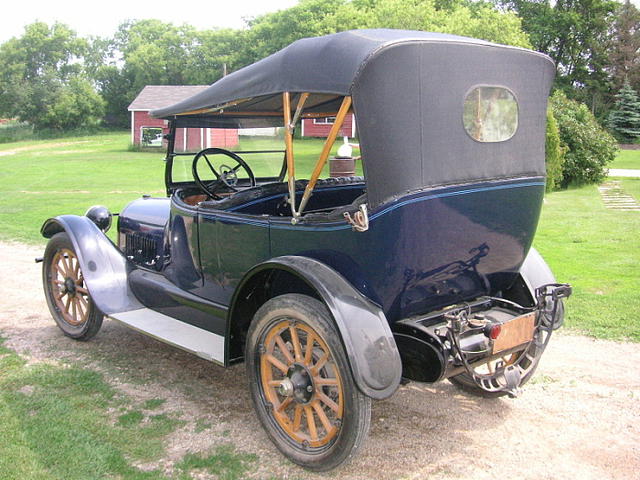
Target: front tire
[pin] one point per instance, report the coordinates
(301, 383)
(67, 296)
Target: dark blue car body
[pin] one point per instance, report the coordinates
(420, 262)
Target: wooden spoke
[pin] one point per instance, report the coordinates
(82, 290)
(58, 270)
(328, 402)
(276, 363)
(297, 418)
(322, 416)
(295, 340)
(67, 304)
(66, 260)
(285, 404)
(308, 353)
(325, 382)
(320, 363)
(311, 423)
(81, 307)
(284, 349)
(83, 300)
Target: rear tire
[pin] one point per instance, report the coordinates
(301, 383)
(67, 296)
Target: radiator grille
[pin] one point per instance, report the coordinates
(140, 248)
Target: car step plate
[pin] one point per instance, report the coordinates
(195, 340)
(515, 332)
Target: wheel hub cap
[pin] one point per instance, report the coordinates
(70, 286)
(299, 382)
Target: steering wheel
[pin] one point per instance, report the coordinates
(226, 178)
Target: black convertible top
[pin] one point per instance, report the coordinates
(322, 65)
(408, 91)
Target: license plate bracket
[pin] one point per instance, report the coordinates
(515, 332)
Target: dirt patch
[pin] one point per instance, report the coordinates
(577, 418)
(40, 146)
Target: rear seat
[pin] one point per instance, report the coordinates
(270, 189)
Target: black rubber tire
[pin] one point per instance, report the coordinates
(357, 406)
(90, 327)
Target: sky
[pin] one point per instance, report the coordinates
(102, 18)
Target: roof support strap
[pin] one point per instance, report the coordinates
(288, 143)
(289, 126)
(324, 155)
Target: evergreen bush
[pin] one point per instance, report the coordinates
(624, 119)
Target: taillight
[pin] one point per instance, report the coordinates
(493, 330)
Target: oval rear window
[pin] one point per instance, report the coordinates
(490, 114)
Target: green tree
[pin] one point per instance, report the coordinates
(588, 147)
(554, 153)
(575, 33)
(623, 62)
(154, 52)
(43, 76)
(151, 52)
(213, 53)
(273, 31)
(624, 118)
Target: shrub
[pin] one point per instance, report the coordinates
(14, 131)
(554, 153)
(589, 147)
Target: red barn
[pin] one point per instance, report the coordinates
(148, 131)
(319, 127)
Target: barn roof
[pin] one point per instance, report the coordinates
(158, 96)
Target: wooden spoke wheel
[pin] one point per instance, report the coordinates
(69, 291)
(299, 378)
(301, 383)
(67, 295)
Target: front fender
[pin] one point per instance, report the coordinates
(366, 335)
(104, 268)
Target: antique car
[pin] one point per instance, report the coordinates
(333, 290)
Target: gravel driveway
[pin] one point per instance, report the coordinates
(579, 417)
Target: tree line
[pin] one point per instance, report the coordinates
(54, 79)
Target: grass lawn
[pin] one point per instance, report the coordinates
(66, 422)
(43, 179)
(597, 250)
(632, 187)
(626, 159)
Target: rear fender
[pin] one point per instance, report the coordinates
(104, 268)
(535, 273)
(363, 327)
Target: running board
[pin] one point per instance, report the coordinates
(194, 340)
